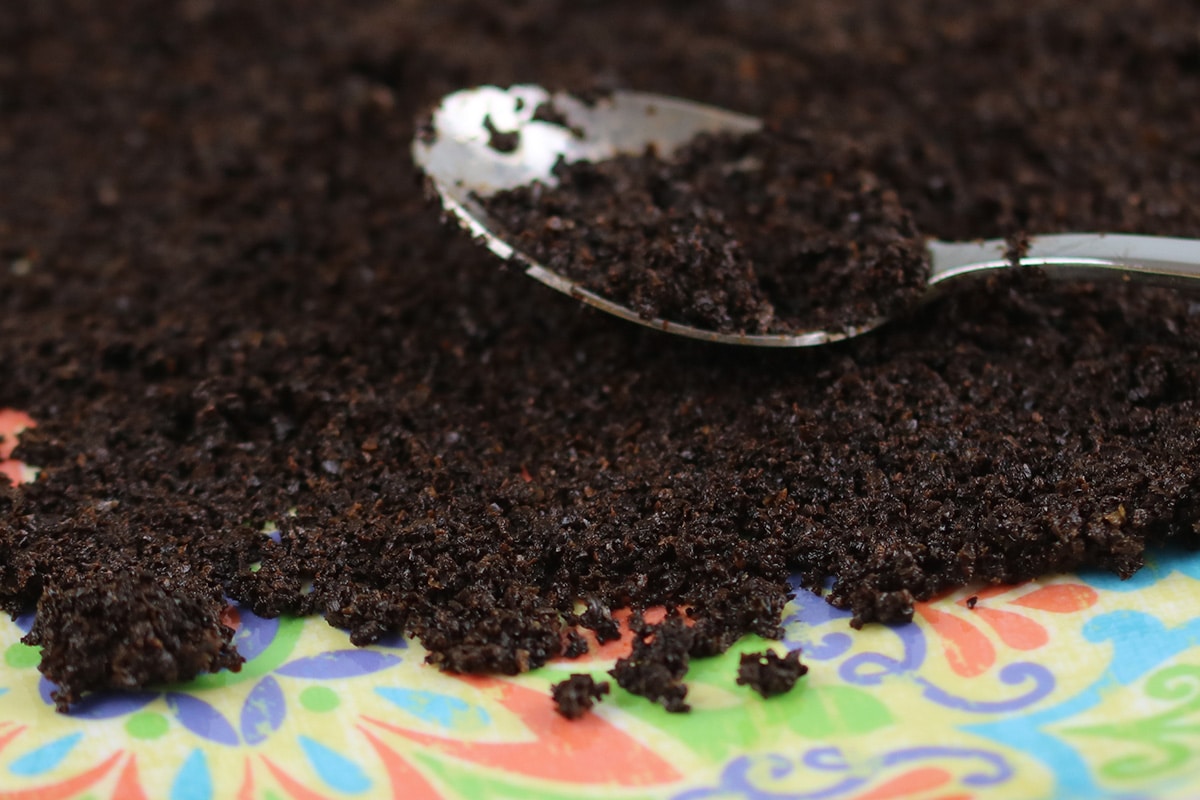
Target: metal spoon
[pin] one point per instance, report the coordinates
(464, 162)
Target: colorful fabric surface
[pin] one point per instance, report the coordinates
(1074, 686)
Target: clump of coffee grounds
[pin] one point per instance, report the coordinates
(598, 618)
(501, 141)
(548, 112)
(226, 302)
(768, 232)
(136, 631)
(575, 696)
(657, 663)
(769, 674)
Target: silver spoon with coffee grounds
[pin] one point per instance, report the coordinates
(487, 140)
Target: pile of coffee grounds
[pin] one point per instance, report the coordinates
(770, 232)
(141, 630)
(657, 663)
(575, 696)
(769, 674)
(227, 303)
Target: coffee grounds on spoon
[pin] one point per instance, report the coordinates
(769, 232)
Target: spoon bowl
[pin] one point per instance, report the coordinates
(486, 140)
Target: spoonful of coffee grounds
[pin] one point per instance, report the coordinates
(711, 224)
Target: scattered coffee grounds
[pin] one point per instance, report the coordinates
(771, 232)
(656, 665)
(1016, 247)
(575, 696)
(227, 303)
(770, 675)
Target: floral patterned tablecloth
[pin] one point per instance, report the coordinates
(1074, 686)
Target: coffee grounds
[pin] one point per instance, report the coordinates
(657, 663)
(501, 141)
(550, 113)
(575, 696)
(771, 232)
(136, 632)
(770, 675)
(227, 303)
(598, 618)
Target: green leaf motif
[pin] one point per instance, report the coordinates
(286, 636)
(1173, 736)
(839, 711)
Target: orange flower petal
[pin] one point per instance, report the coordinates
(290, 784)
(1016, 631)
(407, 782)
(1061, 598)
(967, 649)
(129, 785)
(13, 470)
(68, 788)
(589, 750)
(11, 424)
(246, 792)
(908, 784)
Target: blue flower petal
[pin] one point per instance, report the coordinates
(338, 664)
(263, 711)
(335, 769)
(395, 640)
(202, 719)
(443, 709)
(194, 781)
(100, 705)
(46, 757)
(255, 634)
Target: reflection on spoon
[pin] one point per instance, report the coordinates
(537, 130)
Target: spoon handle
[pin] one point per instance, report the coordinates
(1077, 256)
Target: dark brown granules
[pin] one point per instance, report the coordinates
(597, 617)
(656, 665)
(124, 630)
(575, 696)
(772, 232)
(549, 113)
(260, 314)
(768, 674)
(501, 141)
